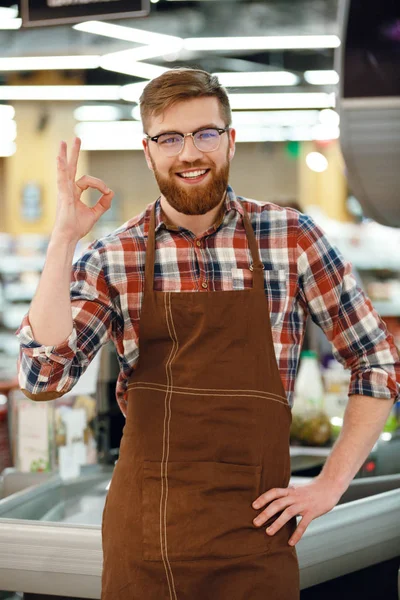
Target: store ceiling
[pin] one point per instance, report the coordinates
(206, 18)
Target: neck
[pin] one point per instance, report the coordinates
(197, 224)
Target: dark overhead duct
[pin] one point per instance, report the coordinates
(369, 104)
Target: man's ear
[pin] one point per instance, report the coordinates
(147, 153)
(232, 138)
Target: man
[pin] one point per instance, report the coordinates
(205, 296)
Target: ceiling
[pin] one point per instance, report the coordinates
(207, 18)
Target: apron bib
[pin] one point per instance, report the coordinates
(207, 431)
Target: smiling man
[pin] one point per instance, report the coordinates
(205, 295)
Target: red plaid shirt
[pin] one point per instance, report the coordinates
(304, 274)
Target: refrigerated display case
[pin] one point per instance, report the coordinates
(50, 533)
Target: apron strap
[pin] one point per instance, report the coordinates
(257, 267)
(150, 252)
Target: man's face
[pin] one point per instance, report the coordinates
(199, 195)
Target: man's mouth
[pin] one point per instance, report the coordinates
(194, 175)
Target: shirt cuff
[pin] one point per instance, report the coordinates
(377, 383)
(62, 353)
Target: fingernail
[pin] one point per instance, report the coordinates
(255, 504)
(269, 530)
(291, 542)
(107, 191)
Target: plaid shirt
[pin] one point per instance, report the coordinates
(304, 274)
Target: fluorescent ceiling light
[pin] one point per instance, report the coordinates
(42, 63)
(262, 42)
(60, 92)
(137, 69)
(6, 112)
(134, 54)
(132, 91)
(257, 78)
(7, 148)
(117, 135)
(8, 130)
(136, 113)
(321, 77)
(129, 34)
(8, 12)
(274, 117)
(330, 117)
(6, 23)
(281, 101)
(97, 113)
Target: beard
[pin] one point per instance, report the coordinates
(196, 199)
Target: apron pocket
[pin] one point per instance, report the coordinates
(276, 286)
(200, 510)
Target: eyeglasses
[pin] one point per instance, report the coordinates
(205, 140)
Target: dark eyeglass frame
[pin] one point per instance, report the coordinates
(154, 138)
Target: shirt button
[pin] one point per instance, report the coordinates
(204, 284)
(198, 243)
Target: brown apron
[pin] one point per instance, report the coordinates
(207, 432)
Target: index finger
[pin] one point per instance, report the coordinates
(73, 161)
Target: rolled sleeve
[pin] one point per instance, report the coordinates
(48, 372)
(360, 339)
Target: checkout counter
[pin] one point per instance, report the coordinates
(50, 529)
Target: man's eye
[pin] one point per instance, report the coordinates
(206, 135)
(173, 139)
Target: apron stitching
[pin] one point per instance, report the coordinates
(178, 387)
(204, 392)
(168, 368)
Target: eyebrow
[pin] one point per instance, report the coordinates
(208, 126)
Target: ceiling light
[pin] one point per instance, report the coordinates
(7, 148)
(316, 162)
(136, 69)
(281, 101)
(8, 130)
(97, 113)
(274, 117)
(129, 34)
(136, 113)
(42, 63)
(263, 42)
(134, 54)
(6, 23)
(327, 116)
(132, 91)
(6, 112)
(321, 77)
(117, 135)
(60, 92)
(8, 12)
(257, 78)
(325, 132)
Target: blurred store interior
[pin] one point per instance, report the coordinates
(318, 129)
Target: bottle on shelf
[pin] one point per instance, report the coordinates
(310, 423)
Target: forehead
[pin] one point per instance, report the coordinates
(188, 115)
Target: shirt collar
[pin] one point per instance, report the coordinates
(231, 204)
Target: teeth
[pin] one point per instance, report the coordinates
(193, 174)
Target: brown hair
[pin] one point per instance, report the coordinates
(181, 83)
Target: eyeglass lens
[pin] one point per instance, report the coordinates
(205, 140)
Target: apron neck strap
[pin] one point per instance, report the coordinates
(256, 267)
(150, 252)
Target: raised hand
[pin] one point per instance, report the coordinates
(74, 219)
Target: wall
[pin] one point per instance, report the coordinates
(259, 171)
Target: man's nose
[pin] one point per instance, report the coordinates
(190, 153)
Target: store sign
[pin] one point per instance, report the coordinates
(36, 13)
